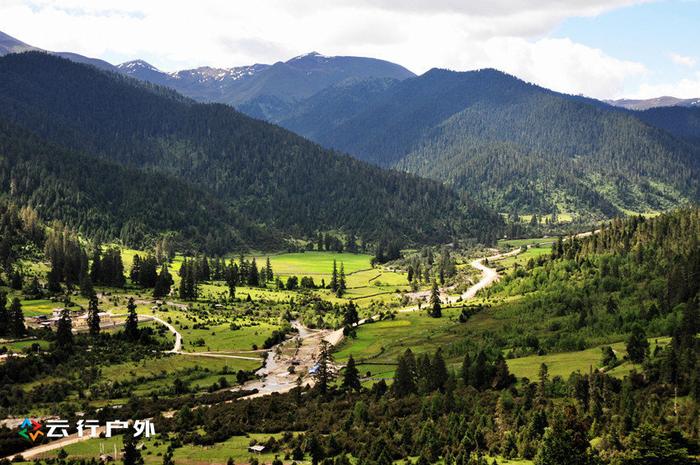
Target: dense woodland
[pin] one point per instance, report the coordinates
(633, 273)
(166, 154)
(682, 122)
(511, 144)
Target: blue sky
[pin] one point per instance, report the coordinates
(648, 33)
(598, 48)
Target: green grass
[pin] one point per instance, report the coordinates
(384, 341)
(235, 447)
(521, 242)
(39, 307)
(20, 346)
(563, 364)
(153, 374)
(502, 461)
(379, 344)
(522, 258)
(315, 263)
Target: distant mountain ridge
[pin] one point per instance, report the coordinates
(9, 45)
(514, 145)
(255, 87)
(657, 102)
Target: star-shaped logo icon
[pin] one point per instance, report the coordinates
(30, 429)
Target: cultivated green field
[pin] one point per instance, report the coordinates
(315, 263)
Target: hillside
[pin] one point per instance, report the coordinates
(9, 44)
(682, 122)
(106, 201)
(280, 181)
(517, 146)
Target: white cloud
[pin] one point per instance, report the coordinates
(559, 64)
(682, 60)
(419, 34)
(684, 88)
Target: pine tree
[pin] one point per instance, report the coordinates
(96, 267)
(4, 315)
(168, 458)
(351, 379)
(350, 318)
(268, 270)
(93, 318)
(466, 369)
(163, 283)
(54, 280)
(131, 456)
(351, 243)
(436, 306)
(334, 278)
(637, 344)
(131, 327)
(565, 442)
(135, 271)
(231, 290)
(253, 274)
(188, 283)
(16, 280)
(64, 331)
(405, 375)
(543, 384)
(315, 449)
(86, 288)
(501, 377)
(480, 374)
(17, 328)
(325, 370)
(341, 281)
(438, 372)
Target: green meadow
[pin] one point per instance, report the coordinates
(522, 258)
(152, 450)
(315, 263)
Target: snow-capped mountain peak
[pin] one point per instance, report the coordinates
(136, 65)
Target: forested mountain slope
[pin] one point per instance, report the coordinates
(682, 122)
(106, 201)
(516, 145)
(265, 173)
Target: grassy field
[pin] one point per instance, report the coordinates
(522, 258)
(379, 344)
(521, 242)
(152, 450)
(316, 264)
(383, 341)
(563, 364)
(154, 374)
